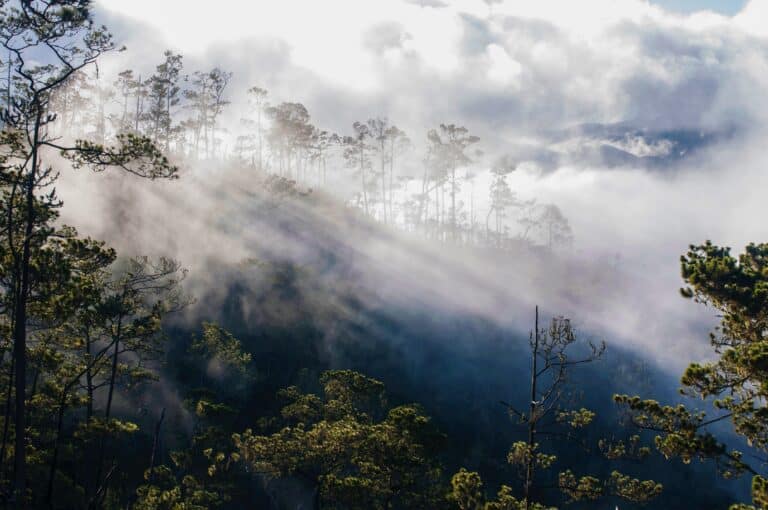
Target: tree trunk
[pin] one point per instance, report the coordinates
(89, 379)
(316, 502)
(529, 468)
(9, 394)
(472, 212)
(453, 202)
(124, 118)
(424, 202)
(35, 380)
(8, 84)
(55, 454)
(138, 104)
(391, 179)
(155, 444)
(168, 118)
(261, 166)
(488, 224)
(7, 419)
(204, 120)
(20, 322)
(108, 408)
(113, 374)
(383, 182)
(362, 178)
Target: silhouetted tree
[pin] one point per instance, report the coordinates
(357, 150)
(257, 98)
(449, 143)
(62, 33)
(735, 382)
(164, 94)
(207, 102)
(290, 136)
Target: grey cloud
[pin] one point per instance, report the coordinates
(531, 29)
(591, 118)
(436, 4)
(476, 35)
(662, 105)
(385, 36)
(563, 82)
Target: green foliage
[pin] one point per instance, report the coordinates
(629, 449)
(633, 489)
(133, 153)
(466, 493)
(57, 297)
(86, 326)
(164, 491)
(466, 490)
(219, 346)
(580, 488)
(737, 381)
(520, 454)
(547, 420)
(576, 418)
(346, 443)
(681, 434)
(759, 495)
(590, 488)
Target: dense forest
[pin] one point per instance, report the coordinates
(302, 368)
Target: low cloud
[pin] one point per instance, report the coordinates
(645, 127)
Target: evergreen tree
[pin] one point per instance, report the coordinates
(736, 383)
(164, 94)
(449, 144)
(206, 100)
(290, 136)
(357, 150)
(257, 98)
(350, 447)
(502, 198)
(548, 420)
(60, 32)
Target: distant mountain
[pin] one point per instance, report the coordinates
(626, 144)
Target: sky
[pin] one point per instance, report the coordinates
(644, 122)
(370, 49)
(729, 7)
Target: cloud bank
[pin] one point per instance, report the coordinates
(645, 126)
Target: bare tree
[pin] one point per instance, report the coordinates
(550, 363)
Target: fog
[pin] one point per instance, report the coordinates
(644, 126)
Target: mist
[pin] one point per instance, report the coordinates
(668, 167)
(353, 241)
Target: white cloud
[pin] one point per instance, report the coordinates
(538, 62)
(325, 37)
(753, 18)
(539, 79)
(503, 69)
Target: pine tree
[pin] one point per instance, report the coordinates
(736, 382)
(164, 94)
(60, 32)
(354, 451)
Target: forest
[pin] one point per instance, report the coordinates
(201, 313)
